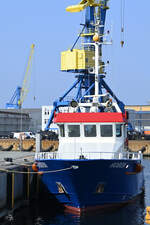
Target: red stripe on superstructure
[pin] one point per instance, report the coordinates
(89, 117)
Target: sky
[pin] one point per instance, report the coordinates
(52, 30)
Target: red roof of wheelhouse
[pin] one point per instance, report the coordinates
(98, 117)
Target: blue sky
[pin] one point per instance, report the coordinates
(52, 30)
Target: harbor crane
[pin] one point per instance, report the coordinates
(20, 93)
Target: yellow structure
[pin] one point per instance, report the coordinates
(82, 5)
(96, 37)
(26, 81)
(143, 108)
(77, 59)
(147, 217)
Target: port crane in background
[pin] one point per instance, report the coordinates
(20, 93)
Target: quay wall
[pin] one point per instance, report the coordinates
(3, 188)
(18, 183)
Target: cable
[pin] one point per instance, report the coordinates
(122, 21)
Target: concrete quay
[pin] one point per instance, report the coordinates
(18, 185)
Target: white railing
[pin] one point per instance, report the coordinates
(89, 155)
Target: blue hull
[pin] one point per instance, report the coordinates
(83, 184)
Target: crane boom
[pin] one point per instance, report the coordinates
(83, 4)
(20, 93)
(27, 77)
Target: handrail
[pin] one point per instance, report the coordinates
(89, 155)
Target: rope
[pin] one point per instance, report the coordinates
(39, 172)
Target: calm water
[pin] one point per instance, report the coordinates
(45, 214)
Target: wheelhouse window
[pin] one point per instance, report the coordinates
(90, 130)
(62, 130)
(73, 130)
(106, 130)
(118, 130)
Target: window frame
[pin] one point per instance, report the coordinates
(106, 124)
(60, 131)
(80, 130)
(90, 124)
(121, 125)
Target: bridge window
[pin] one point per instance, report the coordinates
(118, 130)
(106, 130)
(90, 130)
(73, 130)
(62, 130)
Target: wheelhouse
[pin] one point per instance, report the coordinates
(79, 133)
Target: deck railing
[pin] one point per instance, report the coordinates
(89, 155)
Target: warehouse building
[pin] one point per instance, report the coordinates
(139, 116)
(13, 122)
(20, 120)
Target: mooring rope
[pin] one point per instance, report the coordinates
(33, 172)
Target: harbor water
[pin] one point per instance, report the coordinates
(46, 212)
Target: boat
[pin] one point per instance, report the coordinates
(93, 167)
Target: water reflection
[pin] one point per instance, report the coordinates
(131, 214)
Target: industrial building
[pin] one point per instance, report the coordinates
(13, 122)
(46, 112)
(139, 116)
(18, 120)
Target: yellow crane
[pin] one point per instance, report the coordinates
(20, 93)
(27, 77)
